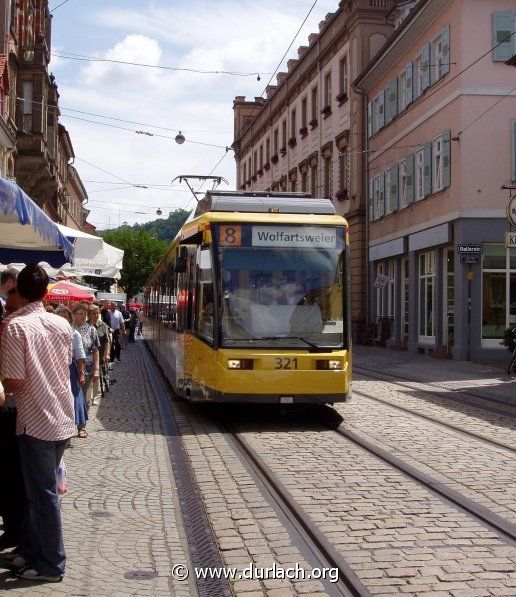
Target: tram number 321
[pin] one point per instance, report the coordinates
(285, 363)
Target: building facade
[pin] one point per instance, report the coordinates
(441, 141)
(7, 133)
(308, 134)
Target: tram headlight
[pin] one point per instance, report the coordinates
(329, 364)
(240, 363)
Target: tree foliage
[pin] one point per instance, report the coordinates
(165, 229)
(142, 252)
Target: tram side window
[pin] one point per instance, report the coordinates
(205, 303)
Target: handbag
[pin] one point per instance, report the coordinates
(61, 478)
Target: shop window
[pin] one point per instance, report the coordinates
(426, 297)
(498, 292)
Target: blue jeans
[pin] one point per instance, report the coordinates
(43, 538)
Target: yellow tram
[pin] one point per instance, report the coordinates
(251, 301)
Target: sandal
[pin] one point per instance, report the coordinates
(82, 433)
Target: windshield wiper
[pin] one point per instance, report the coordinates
(313, 347)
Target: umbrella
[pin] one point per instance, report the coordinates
(66, 291)
(27, 234)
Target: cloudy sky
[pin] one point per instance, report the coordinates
(241, 36)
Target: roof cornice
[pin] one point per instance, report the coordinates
(403, 38)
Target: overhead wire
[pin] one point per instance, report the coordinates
(83, 58)
(56, 7)
(290, 45)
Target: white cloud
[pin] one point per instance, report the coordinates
(235, 36)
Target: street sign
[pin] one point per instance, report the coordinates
(468, 249)
(470, 259)
(511, 210)
(510, 240)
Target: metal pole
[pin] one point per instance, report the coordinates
(469, 312)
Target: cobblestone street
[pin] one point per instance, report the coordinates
(124, 534)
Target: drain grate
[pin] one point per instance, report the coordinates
(140, 574)
(100, 513)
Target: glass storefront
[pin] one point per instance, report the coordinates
(498, 292)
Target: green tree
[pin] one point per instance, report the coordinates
(142, 252)
(165, 229)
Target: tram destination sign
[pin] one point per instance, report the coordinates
(470, 249)
(470, 259)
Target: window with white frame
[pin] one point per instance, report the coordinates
(403, 188)
(343, 72)
(439, 58)
(391, 292)
(426, 297)
(327, 91)
(419, 158)
(380, 291)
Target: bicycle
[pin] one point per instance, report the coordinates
(512, 364)
(510, 342)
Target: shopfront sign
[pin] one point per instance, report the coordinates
(470, 259)
(510, 240)
(470, 249)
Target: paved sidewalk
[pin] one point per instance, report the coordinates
(120, 515)
(485, 379)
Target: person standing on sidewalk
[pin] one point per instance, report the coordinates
(117, 325)
(36, 349)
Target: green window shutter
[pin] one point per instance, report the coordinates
(393, 97)
(446, 158)
(445, 64)
(381, 202)
(409, 83)
(410, 178)
(371, 202)
(425, 67)
(381, 109)
(502, 29)
(369, 119)
(393, 191)
(427, 168)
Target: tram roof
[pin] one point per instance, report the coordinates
(286, 203)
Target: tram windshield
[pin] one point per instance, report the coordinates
(282, 286)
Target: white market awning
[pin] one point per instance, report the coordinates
(27, 234)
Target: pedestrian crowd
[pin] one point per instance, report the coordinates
(52, 358)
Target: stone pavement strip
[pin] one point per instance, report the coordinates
(121, 518)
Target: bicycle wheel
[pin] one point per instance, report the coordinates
(512, 364)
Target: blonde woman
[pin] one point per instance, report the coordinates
(105, 345)
(91, 344)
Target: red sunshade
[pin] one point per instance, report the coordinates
(62, 291)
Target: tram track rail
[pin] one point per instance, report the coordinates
(495, 522)
(321, 549)
(439, 392)
(443, 423)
